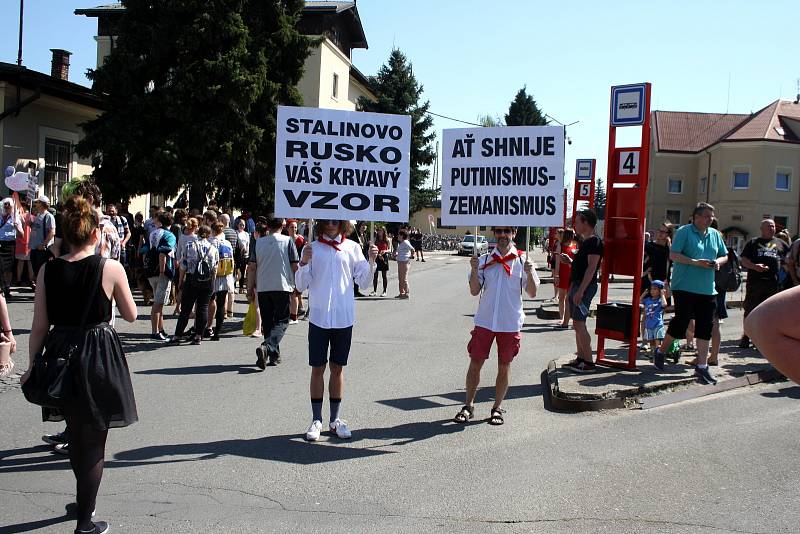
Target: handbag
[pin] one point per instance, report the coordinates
(250, 320)
(51, 382)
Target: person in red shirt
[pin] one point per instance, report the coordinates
(296, 299)
(566, 246)
(384, 245)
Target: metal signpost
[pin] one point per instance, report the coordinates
(624, 221)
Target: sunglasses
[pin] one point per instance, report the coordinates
(503, 231)
(332, 222)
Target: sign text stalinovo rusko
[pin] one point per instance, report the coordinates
(333, 164)
(503, 176)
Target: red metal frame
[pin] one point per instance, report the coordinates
(625, 233)
(575, 196)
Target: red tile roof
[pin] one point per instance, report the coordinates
(689, 132)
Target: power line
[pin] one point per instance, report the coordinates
(452, 119)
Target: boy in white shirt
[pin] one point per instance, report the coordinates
(404, 253)
(328, 268)
(500, 278)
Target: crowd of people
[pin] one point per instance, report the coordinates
(688, 268)
(197, 261)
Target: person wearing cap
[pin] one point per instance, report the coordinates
(654, 303)
(499, 278)
(43, 233)
(10, 229)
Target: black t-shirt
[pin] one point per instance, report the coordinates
(591, 246)
(657, 260)
(769, 252)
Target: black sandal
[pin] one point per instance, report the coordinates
(496, 417)
(465, 414)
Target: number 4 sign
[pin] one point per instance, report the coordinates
(628, 162)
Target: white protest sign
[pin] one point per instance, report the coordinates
(33, 186)
(334, 164)
(503, 176)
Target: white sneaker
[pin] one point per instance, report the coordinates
(383, 294)
(312, 434)
(293, 321)
(340, 427)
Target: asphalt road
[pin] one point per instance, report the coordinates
(219, 445)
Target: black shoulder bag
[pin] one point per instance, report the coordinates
(51, 382)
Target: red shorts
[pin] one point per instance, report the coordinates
(481, 343)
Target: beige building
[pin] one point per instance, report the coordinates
(429, 220)
(40, 116)
(330, 79)
(746, 165)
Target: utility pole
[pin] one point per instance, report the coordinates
(19, 49)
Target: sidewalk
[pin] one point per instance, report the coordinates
(647, 387)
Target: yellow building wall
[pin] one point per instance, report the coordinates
(23, 136)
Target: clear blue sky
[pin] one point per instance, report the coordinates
(473, 56)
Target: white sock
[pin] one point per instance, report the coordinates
(704, 366)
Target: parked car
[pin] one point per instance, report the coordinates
(467, 245)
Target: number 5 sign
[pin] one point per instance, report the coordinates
(584, 190)
(628, 162)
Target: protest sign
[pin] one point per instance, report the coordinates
(334, 164)
(17, 181)
(503, 176)
(33, 186)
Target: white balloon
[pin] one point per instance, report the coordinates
(18, 181)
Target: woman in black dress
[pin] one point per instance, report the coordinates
(104, 396)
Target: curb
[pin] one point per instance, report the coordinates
(645, 398)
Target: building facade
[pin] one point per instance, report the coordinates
(40, 117)
(745, 165)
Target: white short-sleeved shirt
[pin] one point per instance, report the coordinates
(500, 307)
(329, 280)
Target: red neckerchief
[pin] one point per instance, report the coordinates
(330, 242)
(496, 258)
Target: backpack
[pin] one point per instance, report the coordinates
(729, 276)
(151, 260)
(203, 274)
(225, 266)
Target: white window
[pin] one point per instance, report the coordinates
(674, 216)
(783, 180)
(675, 185)
(335, 92)
(703, 184)
(741, 179)
(714, 183)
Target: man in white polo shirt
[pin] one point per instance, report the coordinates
(500, 279)
(329, 267)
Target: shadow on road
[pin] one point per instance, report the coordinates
(288, 448)
(790, 392)
(291, 448)
(35, 525)
(485, 394)
(202, 370)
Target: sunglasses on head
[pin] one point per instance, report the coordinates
(503, 231)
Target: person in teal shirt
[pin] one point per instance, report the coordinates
(697, 252)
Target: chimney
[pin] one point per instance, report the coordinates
(60, 66)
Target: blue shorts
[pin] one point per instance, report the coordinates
(658, 333)
(324, 341)
(581, 312)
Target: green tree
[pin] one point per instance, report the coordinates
(487, 121)
(523, 111)
(191, 88)
(399, 93)
(600, 199)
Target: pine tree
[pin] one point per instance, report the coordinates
(191, 88)
(398, 92)
(523, 111)
(600, 199)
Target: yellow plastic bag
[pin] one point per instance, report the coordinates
(249, 324)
